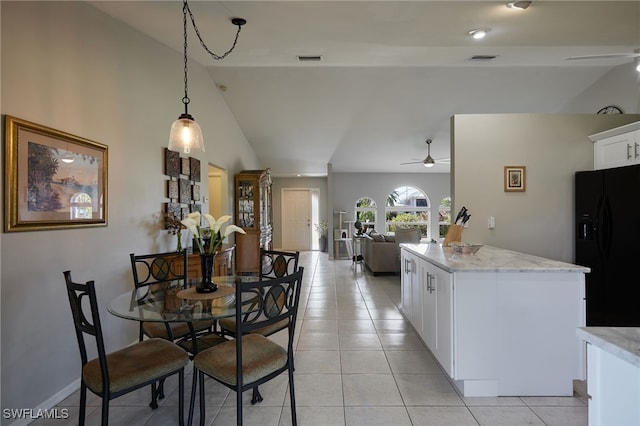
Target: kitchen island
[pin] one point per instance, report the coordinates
(613, 374)
(499, 322)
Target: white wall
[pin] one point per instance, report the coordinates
(68, 66)
(620, 87)
(552, 147)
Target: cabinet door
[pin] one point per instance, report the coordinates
(617, 151)
(443, 286)
(416, 294)
(429, 319)
(406, 284)
(247, 193)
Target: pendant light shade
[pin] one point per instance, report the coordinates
(185, 135)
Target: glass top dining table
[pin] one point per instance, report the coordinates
(175, 302)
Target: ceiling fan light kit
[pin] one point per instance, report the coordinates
(185, 134)
(522, 5)
(479, 33)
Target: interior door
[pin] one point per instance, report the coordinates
(296, 219)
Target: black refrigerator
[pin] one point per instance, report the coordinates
(607, 209)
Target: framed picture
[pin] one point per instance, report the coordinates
(53, 179)
(515, 179)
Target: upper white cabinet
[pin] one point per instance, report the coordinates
(617, 147)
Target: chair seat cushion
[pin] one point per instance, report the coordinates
(137, 364)
(229, 324)
(179, 329)
(260, 357)
(203, 341)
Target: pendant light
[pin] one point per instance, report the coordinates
(186, 134)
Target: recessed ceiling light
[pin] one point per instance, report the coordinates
(522, 4)
(479, 33)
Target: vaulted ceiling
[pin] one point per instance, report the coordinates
(392, 72)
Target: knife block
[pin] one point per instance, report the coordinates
(454, 234)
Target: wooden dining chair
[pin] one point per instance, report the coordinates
(114, 374)
(252, 359)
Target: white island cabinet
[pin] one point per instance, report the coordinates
(613, 375)
(500, 323)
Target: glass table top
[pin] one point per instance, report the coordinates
(173, 302)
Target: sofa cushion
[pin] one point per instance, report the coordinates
(390, 238)
(408, 235)
(378, 238)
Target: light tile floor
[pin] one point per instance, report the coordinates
(358, 362)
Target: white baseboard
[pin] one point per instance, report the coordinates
(50, 403)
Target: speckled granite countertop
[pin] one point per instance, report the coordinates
(623, 342)
(489, 259)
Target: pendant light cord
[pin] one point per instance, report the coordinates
(236, 21)
(185, 9)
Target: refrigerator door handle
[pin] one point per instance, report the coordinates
(599, 225)
(608, 227)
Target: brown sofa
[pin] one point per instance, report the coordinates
(382, 252)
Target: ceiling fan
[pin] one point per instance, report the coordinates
(428, 161)
(635, 54)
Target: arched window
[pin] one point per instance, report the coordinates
(81, 207)
(366, 212)
(408, 207)
(444, 216)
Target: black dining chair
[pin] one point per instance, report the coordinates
(164, 268)
(273, 264)
(114, 374)
(252, 359)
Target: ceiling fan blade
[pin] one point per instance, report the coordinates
(604, 56)
(412, 162)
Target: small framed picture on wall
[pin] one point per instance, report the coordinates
(515, 179)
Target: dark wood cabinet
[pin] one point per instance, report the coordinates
(223, 263)
(253, 213)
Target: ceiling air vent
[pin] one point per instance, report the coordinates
(315, 58)
(481, 58)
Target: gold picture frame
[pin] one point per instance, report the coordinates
(515, 178)
(53, 180)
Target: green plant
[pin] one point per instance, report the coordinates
(322, 228)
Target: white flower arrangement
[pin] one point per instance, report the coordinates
(219, 232)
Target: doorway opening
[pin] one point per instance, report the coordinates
(218, 195)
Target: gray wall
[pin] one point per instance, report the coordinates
(538, 221)
(349, 187)
(68, 66)
(319, 183)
